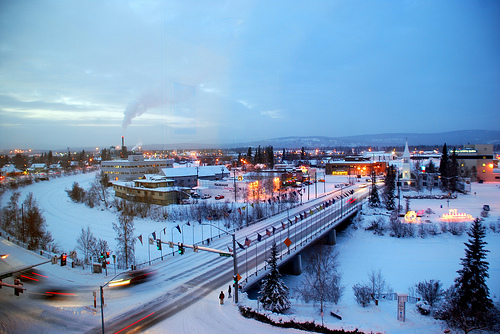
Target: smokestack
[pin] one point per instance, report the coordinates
(123, 141)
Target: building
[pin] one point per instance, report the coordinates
(478, 161)
(134, 167)
(153, 190)
(358, 168)
(188, 176)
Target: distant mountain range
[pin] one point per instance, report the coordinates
(454, 138)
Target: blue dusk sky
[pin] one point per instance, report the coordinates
(84, 73)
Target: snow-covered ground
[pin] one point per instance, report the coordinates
(403, 262)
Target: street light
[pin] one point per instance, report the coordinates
(235, 262)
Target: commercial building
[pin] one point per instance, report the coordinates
(153, 190)
(478, 161)
(134, 167)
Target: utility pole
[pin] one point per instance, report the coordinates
(235, 263)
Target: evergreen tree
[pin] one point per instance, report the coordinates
(249, 155)
(453, 171)
(274, 292)
(468, 305)
(443, 168)
(390, 188)
(374, 200)
(49, 158)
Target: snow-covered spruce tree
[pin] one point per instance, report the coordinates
(389, 190)
(125, 231)
(467, 304)
(321, 277)
(374, 200)
(274, 292)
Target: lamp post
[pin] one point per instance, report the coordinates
(235, 262)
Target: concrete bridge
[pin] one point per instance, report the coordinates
(294, 233)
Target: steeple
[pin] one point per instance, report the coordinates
(406, 153)
(406, 163)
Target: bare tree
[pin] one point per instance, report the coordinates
(377, 283)
(33, 222)
(125, 236)
(322, 279)
(362, 294)
(86, 243)
(430, 291)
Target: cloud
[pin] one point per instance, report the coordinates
(246, 104)
(273, 113)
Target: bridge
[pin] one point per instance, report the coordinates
(293, 232)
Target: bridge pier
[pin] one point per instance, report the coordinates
(297, 265)
(331, 237)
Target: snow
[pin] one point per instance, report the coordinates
(403, 262)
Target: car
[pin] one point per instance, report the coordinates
(195, 195)
(486, 207)
(219, 197)
(206, 196)
(130, 278)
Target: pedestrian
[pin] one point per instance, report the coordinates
(229, 291)
(221, 297)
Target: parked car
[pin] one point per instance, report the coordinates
(219, 197)
(206, 196)
(195, 195)
(486, 207)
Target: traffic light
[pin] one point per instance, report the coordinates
(158, 244)
(63, 259)
(104, 264)
(181, 249)
(102, 256)
(107, 255)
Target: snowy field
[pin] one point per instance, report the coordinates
(403, 262)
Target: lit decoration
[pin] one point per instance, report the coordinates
(454, 216)
(411, 217)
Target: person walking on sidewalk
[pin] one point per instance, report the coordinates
(221, 297)
(229, 291)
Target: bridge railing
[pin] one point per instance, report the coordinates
(306, 231)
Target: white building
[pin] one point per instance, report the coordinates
(135, 167)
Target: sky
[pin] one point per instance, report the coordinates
(84, 73)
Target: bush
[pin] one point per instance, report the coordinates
(429, 291)
(362, 293)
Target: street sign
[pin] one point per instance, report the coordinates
(288, 242)
(225, 254)
(238, 277)
(54, 259)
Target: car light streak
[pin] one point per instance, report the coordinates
(27, 277)
(135, 323)
(60, 293)
(119, 283)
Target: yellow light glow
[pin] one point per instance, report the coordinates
(454, 216)
(119, 283)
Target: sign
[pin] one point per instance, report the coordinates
(240, 178)
(238, 277)
(288, 242)
(54, 259)
(225, 254)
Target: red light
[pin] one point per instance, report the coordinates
(135, 323)
(33, 279)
